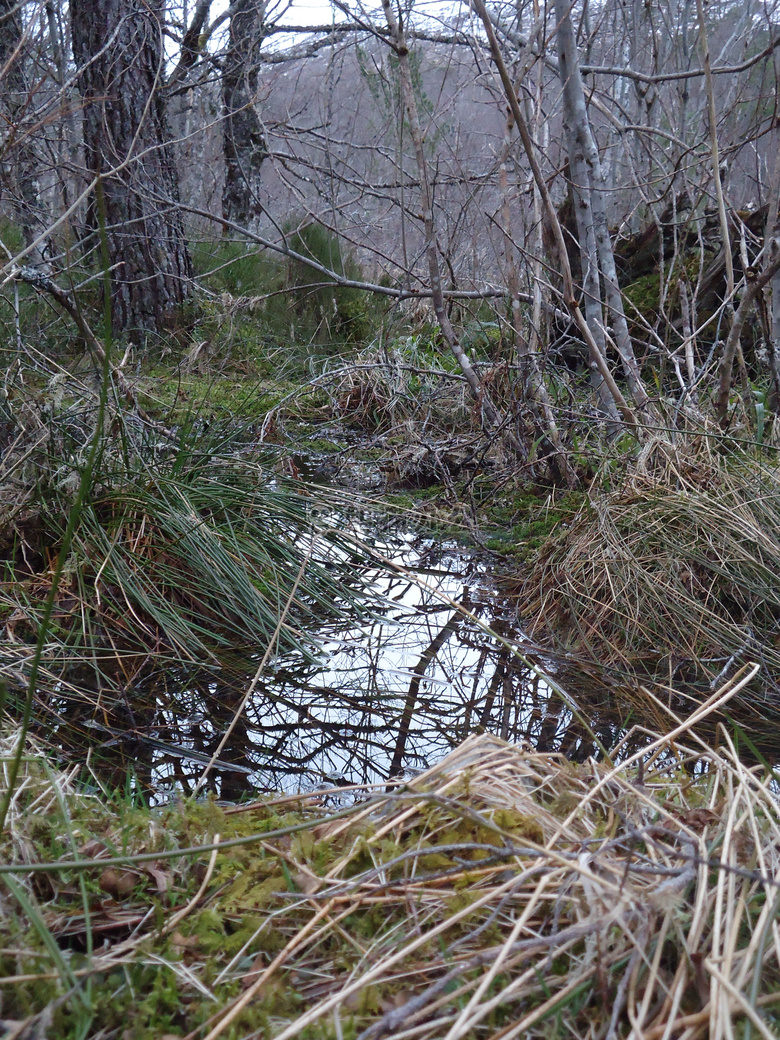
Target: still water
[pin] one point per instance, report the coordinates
(441, 656)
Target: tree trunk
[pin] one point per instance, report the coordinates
(242, 135)
(589, 188)
(589, 266)
(118, 45)
(20, 168)
(534, 390)
(596, 354)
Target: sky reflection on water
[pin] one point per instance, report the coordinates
(387, 697)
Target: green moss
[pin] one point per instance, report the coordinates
(522, 525)
(642, 296)
(184, 396)
(519, 825)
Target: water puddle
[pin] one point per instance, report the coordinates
(386, 697)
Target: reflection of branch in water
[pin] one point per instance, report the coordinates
(384, 695)
(471, 704)
(430, 652)
(487, 710)
(508, 692)
(575, 743)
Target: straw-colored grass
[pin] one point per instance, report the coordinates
(407, 392)
(501, 894)
(675, 574)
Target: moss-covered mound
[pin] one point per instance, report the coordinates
(500, 894)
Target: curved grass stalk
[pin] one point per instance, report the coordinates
(69, 980)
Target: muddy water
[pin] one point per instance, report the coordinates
(384, 698)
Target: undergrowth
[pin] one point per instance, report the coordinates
(671, 572)
(275, 317)
(502, 893)
(191, 543)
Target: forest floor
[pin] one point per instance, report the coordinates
(404, 443)
(505, 891)
(502, 893)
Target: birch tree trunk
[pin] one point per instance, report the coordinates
(589, 263)
(597, 356)
(534, 390)
(242, 134)
(589, 185)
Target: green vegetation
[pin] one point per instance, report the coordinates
(499, 890)
(190, 540)
(232, 473)
(525, 520)
(198, 546)
(275, 318)
(501, 893)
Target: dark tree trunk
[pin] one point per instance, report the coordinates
(243, 139)
(118, 45)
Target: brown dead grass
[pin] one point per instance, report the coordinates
(675, 574)
(503, 893)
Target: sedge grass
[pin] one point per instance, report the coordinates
(503, 893)
(186, 550)
(675, 575)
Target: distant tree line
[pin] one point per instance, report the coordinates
(606, 175)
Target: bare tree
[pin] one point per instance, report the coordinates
(21, 162)
(588, 185)
(431, 246)
(393, 135)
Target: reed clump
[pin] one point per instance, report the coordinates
(503, 893)
(190, 545)
(674, 574)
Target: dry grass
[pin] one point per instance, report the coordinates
(501, 894)
(400, 391)
(676, 574)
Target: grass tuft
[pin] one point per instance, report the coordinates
(190, 546)
(503, 893)
(675, 575)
